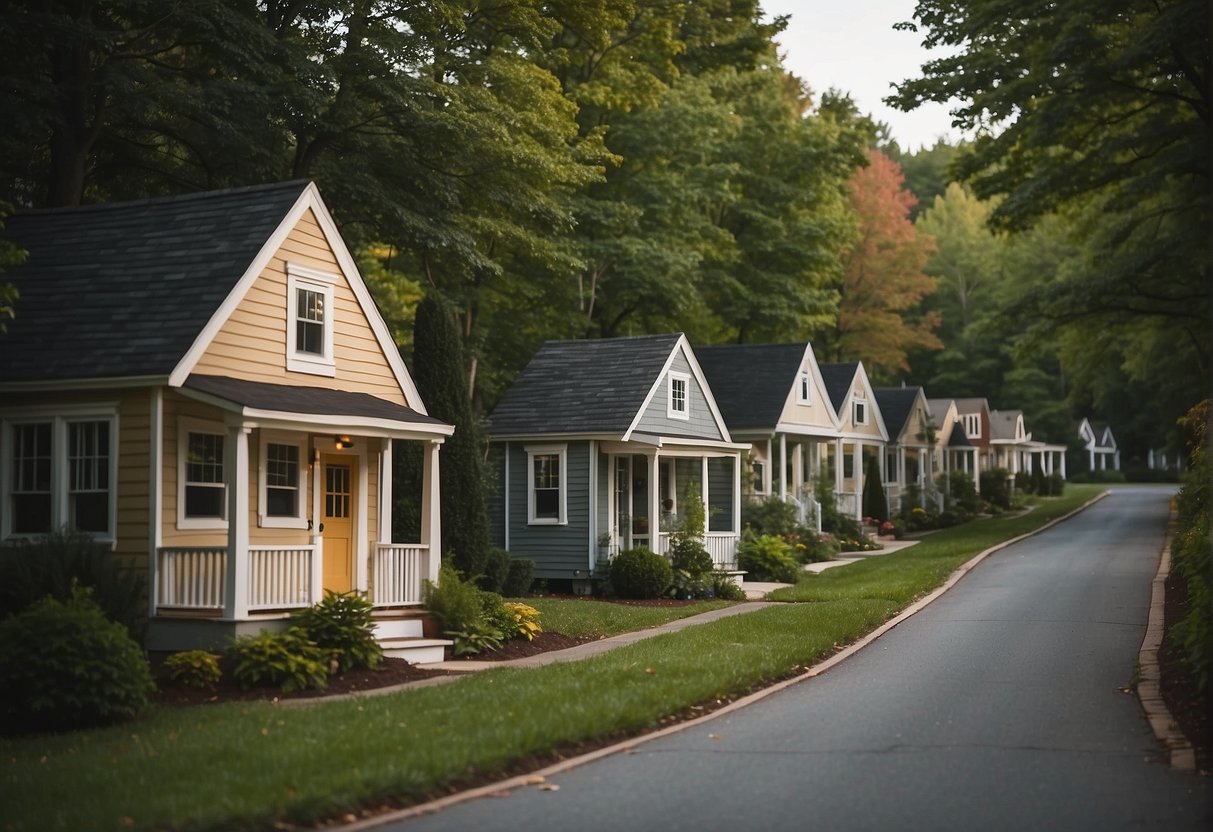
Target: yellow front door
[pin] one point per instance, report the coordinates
(337, 510)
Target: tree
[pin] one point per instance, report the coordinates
(884, 274)
(438, 370)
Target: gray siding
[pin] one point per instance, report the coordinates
(558, 551)
(494, 498)
(701, 424)
(720, 494)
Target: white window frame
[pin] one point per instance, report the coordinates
(299, 519)
(185, 427)
(804, 387)
(561, 451)
(670, 411)
(303, 278)
(859, 411)
(972, 425)
(891, 472)
(60, 485)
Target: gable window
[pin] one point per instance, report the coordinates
(546, 478)
(201, 478)
(804, 389)
(309, 320)
(678, 406)
(59, 473)
(859, 412)
(283, 495)
(972, 425)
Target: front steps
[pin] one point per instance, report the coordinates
(401, 633)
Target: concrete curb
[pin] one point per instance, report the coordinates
(539, 777)
(1149, 688)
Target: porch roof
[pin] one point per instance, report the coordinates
(322, 404)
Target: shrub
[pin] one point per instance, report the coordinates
(286, 660)
(767, 558)
(455, 602)
(640, 573)
(816, 548)
(769, 516)
(32, 570)
(526, 620)
(518, 577)
(1193, 552)
(496, 570)
(342, 622)
(994, 487)
(67, 666)
(724, 588)
(475, 638)
(689, 555)
(875, 504)
(194, 668)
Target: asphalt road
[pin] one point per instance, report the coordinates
(1000, 706)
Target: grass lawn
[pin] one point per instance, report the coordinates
(587, 617)
(249, 765)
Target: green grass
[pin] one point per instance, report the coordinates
(586, 617)
(249, 765)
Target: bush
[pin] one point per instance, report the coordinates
(814, 548)
(1055, 485)
(875, 504)
(455, 602)
(496, 570)
(67, 666)
(767, 558)
(688, 555)
(994, 487)
(769, 516)
(518, 578)
(724, 588)
(194, 668)
(32, 570)
(1193, 553)
(342, 621)
(525, 621)
(640, 573)
(286, 660)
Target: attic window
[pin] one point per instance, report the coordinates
(860, 411)
(678, 406)
(972, 424)
(309, 320)
(804, 390)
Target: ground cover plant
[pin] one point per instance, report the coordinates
(252, 765)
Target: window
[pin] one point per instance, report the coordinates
(804, 390)
(678, 404)
(309, 320)
(201, 478)
(758, 473)
(546, 477)
(283, 488)
(59, 472)
(31, 483)
(890, 466)
(972, 425)
(859, 412)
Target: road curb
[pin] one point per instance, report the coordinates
(1149, 688)
(537, 778)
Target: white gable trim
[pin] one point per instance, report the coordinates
(823, 395)
(659, 387)
(308, 199)
(861, 377)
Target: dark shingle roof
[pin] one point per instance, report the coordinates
(285, 398)
(837, 379)
(896, 405)
(751, 382)
(123, 289)
(593, 386)
(1003, 423)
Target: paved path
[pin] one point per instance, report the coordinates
(1000, 706)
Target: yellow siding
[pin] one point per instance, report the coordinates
(816, 414)
(134, 475)
(175, 408)
(252, 342)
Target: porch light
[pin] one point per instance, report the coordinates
(343, 441)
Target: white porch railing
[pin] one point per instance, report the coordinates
(282, 577)
(397, 570)
(722, 546)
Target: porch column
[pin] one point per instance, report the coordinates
(1062, 457)
(431, 519)
(654, 462)
(385, 491)
(768, 470)
(737, 460)
(837, 467)
(704, 490)
(798, 471)
(235, 581)
(857, 470)
(783, 467)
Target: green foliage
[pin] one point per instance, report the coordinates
(769, 516)
(640, 573)
(725, 589)
(475, 637)
(342, 622)
(66, 666)
(33, 569)
(496, 570)
(1192, 550)
(456, 603)
(518, 577)
(194, 668)
(875, 504)
(525, 620)
(994, 487)
(961, 492)
(287, 660)
(767, 557)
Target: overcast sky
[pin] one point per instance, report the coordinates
(851, 45)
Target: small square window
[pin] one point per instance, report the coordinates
(678, 403)
(310, 320)
(804, 389)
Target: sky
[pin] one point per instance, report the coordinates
(851, 45)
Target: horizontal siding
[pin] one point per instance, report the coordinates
(134, 491)
(252, 342)
(177, 407)
(558, 551)
(816, 414)
(701, 423)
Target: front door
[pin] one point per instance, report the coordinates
(337, 514)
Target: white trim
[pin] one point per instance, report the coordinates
(804, 386)
(185, 426)
(300, 443)
(301, 278)
(697, 372)
(562, 453)
(672, 412)
(155, 496)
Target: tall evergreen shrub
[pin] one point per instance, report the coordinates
(441, 378)
(875, 504)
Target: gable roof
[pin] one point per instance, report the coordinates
(751, 382)
(1003, 424)
(973, 405)
(592, 386)
(123, 290)
(896, 406)
(938, 409)
(837, 379)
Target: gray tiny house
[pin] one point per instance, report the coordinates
(597, 442)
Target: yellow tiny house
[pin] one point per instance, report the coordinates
(219, 402)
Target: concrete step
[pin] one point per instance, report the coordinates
(416, 650)
(406, 627)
